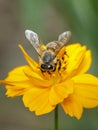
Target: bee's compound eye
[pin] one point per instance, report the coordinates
(46, 67)
(49, 67)
(43, 66)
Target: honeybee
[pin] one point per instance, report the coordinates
(47, 56)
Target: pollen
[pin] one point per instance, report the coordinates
(62, 60)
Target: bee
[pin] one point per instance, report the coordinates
(47, 56)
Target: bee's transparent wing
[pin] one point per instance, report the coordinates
(64, 37)
(34, 40)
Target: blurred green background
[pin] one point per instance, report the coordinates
(48, 18)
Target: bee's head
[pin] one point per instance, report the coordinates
(47, 59)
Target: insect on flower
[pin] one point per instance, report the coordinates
(47, 56)
(65, 80)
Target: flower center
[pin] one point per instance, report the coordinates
(55, 69)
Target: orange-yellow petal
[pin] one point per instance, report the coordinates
(79, 60)
(86, 90)
(72, 106)
(31, 62)
(21, 79)
(16, 82)
(60, 91)
(37, 100)
(17, 74)
(15, 88)
(85, 63)
(85, 95)
(75, 57)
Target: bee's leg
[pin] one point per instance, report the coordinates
(42, 71)
(59, 64)
(54, 68)
(49, 72)
(65, 53)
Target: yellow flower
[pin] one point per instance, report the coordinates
(68, 85)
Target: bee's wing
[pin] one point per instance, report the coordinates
(34, 40)
(64, 37)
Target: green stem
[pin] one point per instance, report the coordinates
(56, 119)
